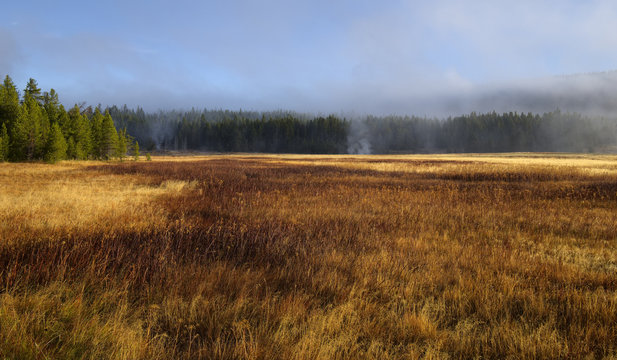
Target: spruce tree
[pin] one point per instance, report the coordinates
(83, 138)
(121, 145)
(78, 129)
(19, 136)
(36, 127)
(136, 151)
(70, 148)
(63, 121)
(9, 103)
(56, 146)
(43, 135)
(51, 105)
(33, 90)
(4, 144)
(108, 137)
(96, 125)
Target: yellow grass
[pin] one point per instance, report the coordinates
(70, 197)
(311, 257)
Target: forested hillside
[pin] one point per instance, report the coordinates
(36, 126)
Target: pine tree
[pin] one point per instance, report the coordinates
(121, 145)
(96, 124)
(70, 148)
(51, 105)
(136, 151)
(63, 121)
(108, 137)
(9, 103)
(36, 126)
(43, 135)
(32, 117)
(83, 138)
(33, 90)
(78, 129)
(4, 144)
(56, 146)
(19, 136)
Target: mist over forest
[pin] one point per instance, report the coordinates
(586, 123)
(290, 132)
(576, 113)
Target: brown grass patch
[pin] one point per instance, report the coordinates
(304, 257)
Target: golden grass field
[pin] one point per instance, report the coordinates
(310, 257)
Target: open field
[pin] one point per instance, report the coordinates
(310, 257)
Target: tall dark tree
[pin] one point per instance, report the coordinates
(19, 136)
(51, 105)
(4, 143)
(63, 121)
(31, 130)
(136, 151)
(96, 126)
(121, 144)
(33, 90)
(80, 147)
(9, 103)
(108, 137)
(56, 145)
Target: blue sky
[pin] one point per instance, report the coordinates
(317, 56)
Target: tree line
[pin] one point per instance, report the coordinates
(234, 131)
(492, 132)
(36, 126)
(289, 132)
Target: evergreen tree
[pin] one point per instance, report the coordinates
(56, 146)
(83, 137)
(70, 148)
(4, 144)
(121, 145)
(19, 136)
(136, 151)
(36, 127)
(96, 124)
(108, 138)
(43, 135)
(9, 103)
(63, 121)
(33, 90)
(79, 135)
(51, 105)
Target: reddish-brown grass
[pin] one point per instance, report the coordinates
(330, 257)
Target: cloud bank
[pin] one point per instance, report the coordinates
(413, 57)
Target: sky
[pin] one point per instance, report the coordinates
(388, 56)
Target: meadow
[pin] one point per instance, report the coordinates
(310, 257)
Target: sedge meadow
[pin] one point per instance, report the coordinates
(310, 257)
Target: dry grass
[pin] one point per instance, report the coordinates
(73, 197)
(299, 257)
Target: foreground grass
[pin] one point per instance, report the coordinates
(298, 257)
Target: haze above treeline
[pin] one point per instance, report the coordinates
(36, 126)
(593, 94)
(405, 57)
